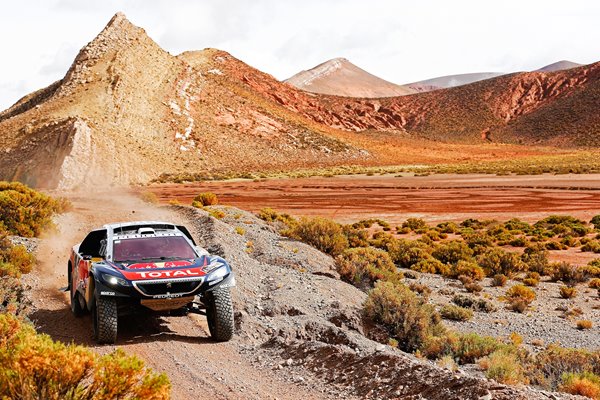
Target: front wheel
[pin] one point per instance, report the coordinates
(219, 314)
(104, 317)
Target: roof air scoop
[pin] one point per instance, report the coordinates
(145, 231)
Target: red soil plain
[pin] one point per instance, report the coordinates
(394, 198)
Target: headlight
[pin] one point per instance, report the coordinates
(115, 280)
(217, 275)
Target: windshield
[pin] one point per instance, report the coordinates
(152, 248)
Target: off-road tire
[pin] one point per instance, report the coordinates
(219, 314)
(104, 319)
(76, 308)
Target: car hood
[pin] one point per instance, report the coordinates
(184, 268)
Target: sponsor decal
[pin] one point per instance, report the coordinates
(167, 296)
(107, 293)
(163, 274)
(166, 264)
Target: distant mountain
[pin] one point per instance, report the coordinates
(444, 82)
(559, 66)
(339, 77)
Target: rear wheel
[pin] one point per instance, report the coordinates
(219, 314)
(104, 317)
(76, 308)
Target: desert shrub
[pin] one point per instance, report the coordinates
(149, 197)
(497, 261)
(591, 246)
(567, 273)
(26, 212)
(536, 258)
(382, 240)
(356, 237)
(549, 365)
(205, 199)
(567, 292)
(515, 225)
(415, 224)
(480, 305)
(520, 297)
(584, 324)
(467, 268)
(430, 265)
(420, 289)
(452, 252)
(13, 298)
(34, 366)
(269, 215)
(447, 227)
(585, 384)
(531, 282)
(503, 367)
(464, 348)
(472, 223)
(499, 280)
(478, 241)
(405, 316)
(406, 253)
(472, 287)
(322, 233)
(594, 283)
(364, 266)
(519, 241)
(596, 222)
(456, 313)
(21, 260)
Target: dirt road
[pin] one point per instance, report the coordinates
(435, 197)
(180, 346)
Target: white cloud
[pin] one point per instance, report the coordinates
(401, 41)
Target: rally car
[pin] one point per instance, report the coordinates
(122, 268)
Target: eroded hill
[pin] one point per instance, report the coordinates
(127, 111)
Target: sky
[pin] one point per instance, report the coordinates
(397, 40)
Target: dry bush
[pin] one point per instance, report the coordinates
(415, 224)
(548, 366)
(520, 297)
(532, 279)
(405, 316)
(364, 266)
(270, 215)
(467, 268)
(420, 289)
(356, 237)
(406, 253)
(596, 222)
(567, 292)
(431, 266)
(464, 348)
(322, 233)
(481, 305)
(452, 252)
(34, 366)
(497, 261)
(584, 324)
(13, 298)
(205, 199)
(585, 384)
(455, 313)
(447, 227)
(536, 258)
(149, 197)
(503, 367)
(499, 280)
(26, 212)
(567, 273)
(20, 260)
(472, 287)
(594, 283)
